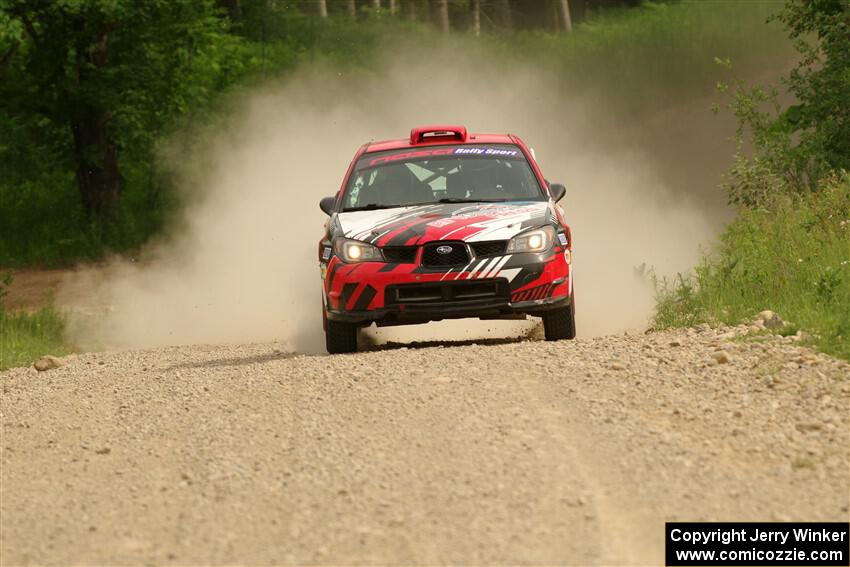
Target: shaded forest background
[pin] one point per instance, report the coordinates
(89, 88)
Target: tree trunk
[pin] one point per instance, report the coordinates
(392, 7)
(323, 8)
(503, 15)
(95, 153)
(476, 17)
(553, 17)
(564, 7)
(443, 15)
(98, 177)
(351, 7)
(234, 9)
(376, 4)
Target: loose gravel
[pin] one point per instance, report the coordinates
(520, 452)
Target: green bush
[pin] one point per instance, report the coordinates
(792, 258)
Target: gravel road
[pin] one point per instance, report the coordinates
(520, 452)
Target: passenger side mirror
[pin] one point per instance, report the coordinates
(557, 191)
(327, 205)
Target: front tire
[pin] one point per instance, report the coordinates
(340, 337)
(559, 324)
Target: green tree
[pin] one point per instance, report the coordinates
(91, 79)
(795, 147)
(821, 80)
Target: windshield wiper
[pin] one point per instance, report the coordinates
(369, 207)
(459, 200)
(444, 200)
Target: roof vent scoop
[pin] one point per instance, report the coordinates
(439, 132)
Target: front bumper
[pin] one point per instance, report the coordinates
(397, 294)
(424, 313)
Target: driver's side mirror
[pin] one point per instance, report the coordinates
(557, 191)
(327, 205)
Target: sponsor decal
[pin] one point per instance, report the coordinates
(439, 223)
(492, 211)
(412, 155)
(406, 156)
(562, 238)
(494, 152)
(444, 249)
(326, 253)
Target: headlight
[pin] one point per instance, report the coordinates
(535, 240)
(356, 251)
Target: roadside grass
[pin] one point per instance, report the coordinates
(793, 259)
(26, 336)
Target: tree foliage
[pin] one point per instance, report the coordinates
(797, 145)
(89, 79)
(821, 81)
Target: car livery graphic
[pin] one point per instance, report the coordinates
(444, 225)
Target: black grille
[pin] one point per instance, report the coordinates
(456, 255)
(493, 248)
(400, 254)
(447, 292)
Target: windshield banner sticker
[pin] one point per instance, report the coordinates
(495, 152)
(505, 152)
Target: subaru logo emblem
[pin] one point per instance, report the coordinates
(444, 249)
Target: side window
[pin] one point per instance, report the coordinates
(360, 181)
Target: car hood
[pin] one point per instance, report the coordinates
(471, 222)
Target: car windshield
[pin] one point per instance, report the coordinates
(441, 174)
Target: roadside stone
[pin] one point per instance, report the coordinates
(770, 319)
(617, 366)
(47, 363)
(675, 343)
(721, 356)
(807, 359)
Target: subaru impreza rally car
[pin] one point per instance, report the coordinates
(444, 225)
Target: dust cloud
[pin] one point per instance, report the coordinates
(243, 264)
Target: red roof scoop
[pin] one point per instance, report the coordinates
(437, 132)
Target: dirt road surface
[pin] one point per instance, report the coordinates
(522, 452)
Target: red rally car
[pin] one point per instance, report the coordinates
(444, 225)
